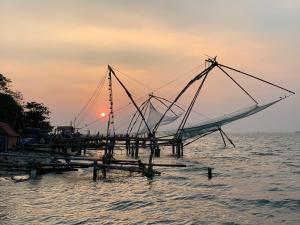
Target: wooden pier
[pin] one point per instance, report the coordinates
(59, 164)
(130, 144)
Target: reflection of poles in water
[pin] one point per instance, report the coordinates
(144, 143)
(137, 143)
(110, 146)
(113, 143)
(127, 144)
(181, 148)
(173, 148)
(177, 147)
(156, 149)
(149, 172)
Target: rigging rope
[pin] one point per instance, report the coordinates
(134, 115)
(137, 81)
(91, 101)
(145, 106)
(257, 78)
(197, 77)
(247, 93)
(155, 90)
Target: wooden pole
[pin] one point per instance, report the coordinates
(178, 150)
(209, 172)
(181, 147)
(156, 150)
(132, 150)
(150, 166)
(240, 86)
(136, 155)
(222, 138)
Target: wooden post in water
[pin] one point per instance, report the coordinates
(136, 154)
(181, 147)
(209, 172)
(157, 151)
(178, 150)
(149, 172)
(144, 143)
(95, 171)
(112, 146)
(132, 150)
(127, 144)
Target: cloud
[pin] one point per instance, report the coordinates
(73, 41)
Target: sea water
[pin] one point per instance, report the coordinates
(258, 182)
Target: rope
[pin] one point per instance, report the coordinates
(246, 92)
(155, 90)
(200, 136)
(178, 77)
(257, 78)
(197, 77)
(144, 106)
(137, 81)
(92, 100)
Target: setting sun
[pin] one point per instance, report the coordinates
(103, 114)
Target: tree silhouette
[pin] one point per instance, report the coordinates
(37, 115)
(18, 115)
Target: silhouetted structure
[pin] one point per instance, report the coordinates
(8, 137)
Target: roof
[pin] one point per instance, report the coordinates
(65, 128)
(8, 130)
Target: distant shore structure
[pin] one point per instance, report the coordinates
(9, 139)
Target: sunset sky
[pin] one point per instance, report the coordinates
(57, 51)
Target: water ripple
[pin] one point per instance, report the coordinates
(255, 183)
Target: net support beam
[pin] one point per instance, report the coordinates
(130, 97)
(183, 122)
(197, 77)
(257, 78)
(231, 142)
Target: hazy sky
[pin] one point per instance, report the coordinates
(57, 51)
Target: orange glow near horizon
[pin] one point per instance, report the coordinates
(58, 60)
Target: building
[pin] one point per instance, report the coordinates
(8, 137)
(31, 132)
(65, 130)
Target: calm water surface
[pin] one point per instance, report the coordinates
(258, 182)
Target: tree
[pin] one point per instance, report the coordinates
(37, 115)
(5, 88)
(11, 110)
(4, 83)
